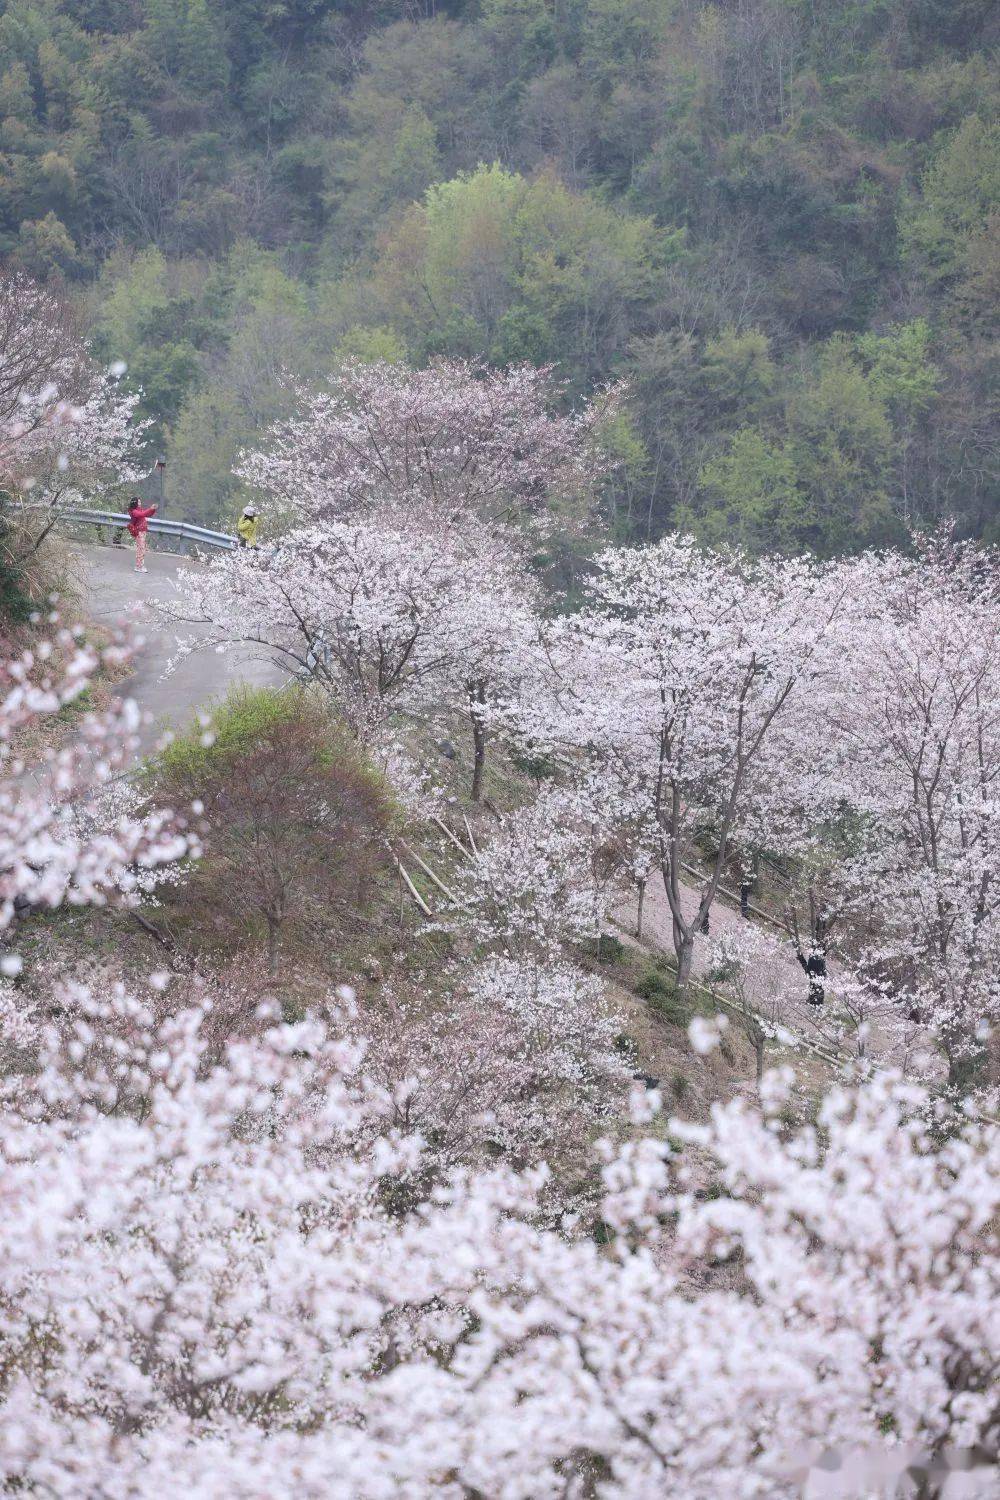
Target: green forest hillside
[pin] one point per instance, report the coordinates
(779, 218)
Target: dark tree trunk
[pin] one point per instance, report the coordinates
(477, 701)
(685, 956)
(273, 934)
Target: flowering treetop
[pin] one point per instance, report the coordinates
(669, 687)
(66, 426)
(49, 853)
(207, 1266)
(237, 1264)
(918, 717)
(452, 440)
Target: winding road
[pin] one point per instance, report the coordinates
(113, 593)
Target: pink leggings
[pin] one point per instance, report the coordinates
(140, 549)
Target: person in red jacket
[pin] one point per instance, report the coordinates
(138, 527)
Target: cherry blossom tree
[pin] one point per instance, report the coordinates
(488, 640)
(880, 798)
(37, 344)
(66, 427)
(50, 851)
(545, 878)
(669, 685)
(515, 1062)
(919, 722)
(451, 441)
(799, 828)
(407, 495)
(763, 1012)
(384, 615)
(290, 1260)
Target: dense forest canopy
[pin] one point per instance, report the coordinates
(778, 218)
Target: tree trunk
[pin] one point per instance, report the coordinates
(273, 934)
(685, 956)
(642, 899)
(477, 700)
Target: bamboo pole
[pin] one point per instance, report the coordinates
(436, 879)
(449, 835)
(414, 892)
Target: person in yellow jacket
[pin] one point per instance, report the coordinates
(247, 527)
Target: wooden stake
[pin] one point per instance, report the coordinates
(436, 879)
(414, 892)
(449, 835)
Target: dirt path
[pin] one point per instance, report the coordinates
(777, 989)
(775, 983)
(112, 592)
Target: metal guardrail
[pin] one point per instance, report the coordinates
(182, 531)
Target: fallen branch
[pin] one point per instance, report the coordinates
(165, 942)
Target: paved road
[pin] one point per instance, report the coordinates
(113, 592)
(774, 975)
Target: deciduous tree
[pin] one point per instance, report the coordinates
(670, 685)
(66, 427)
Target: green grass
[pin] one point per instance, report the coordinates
(661, 994)
(610, 950)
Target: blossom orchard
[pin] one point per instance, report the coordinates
(209, 1277)
(710, 705)
(233, 1263)
(845, 717)
(221, 1265)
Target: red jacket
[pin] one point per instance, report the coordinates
(139, 519)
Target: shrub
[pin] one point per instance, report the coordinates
(610, 950)
(297, 817)
(539, 765)
(660, 992)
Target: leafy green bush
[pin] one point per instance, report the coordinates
(238, 725)
(538, 765)
(610, 950)
(297, 819)
(660, 992)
